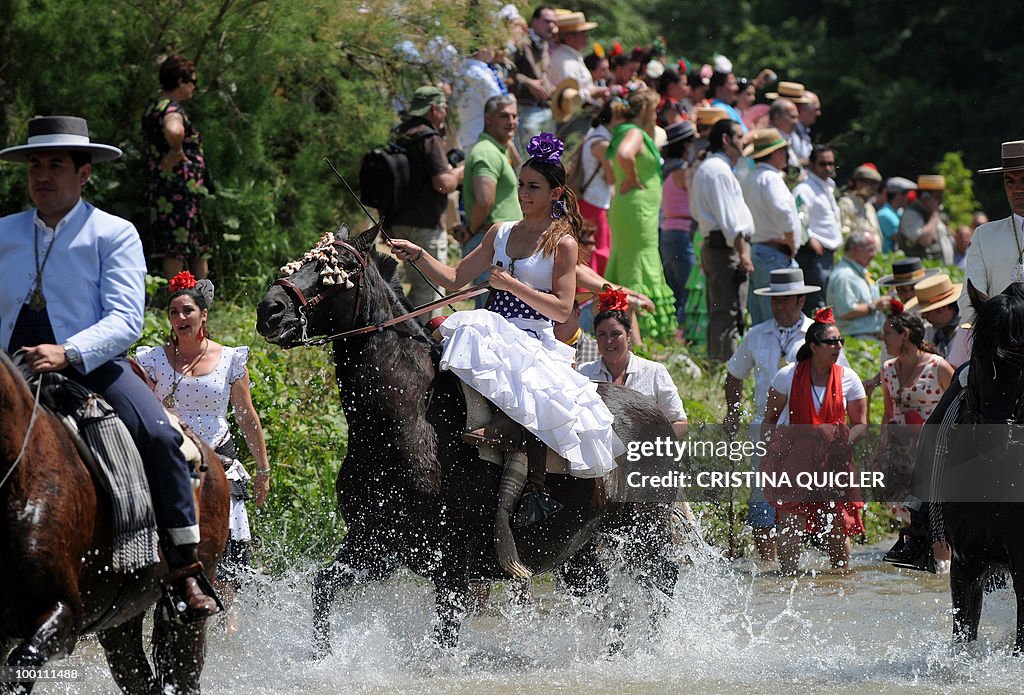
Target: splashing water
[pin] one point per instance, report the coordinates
(728, 629)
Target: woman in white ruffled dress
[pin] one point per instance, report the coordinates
(199, 379)
(508, 352)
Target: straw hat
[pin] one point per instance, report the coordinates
(59, 133)
(933, 293)
(898, 184)
(906, 271)
(709, 115)
(794, 91)
(1013, 158)
(931, 182)
(574, 21)
(764, 142)
(786, 282)
(566, 100)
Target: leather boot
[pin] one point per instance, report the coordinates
(513, 477)
(536, 504)
(913, 550)
(502, 432)
(188, 599)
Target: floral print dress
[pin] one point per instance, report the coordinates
(174, 196)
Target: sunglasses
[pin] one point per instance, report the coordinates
(832, 341)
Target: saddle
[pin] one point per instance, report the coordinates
(112, 457)
(479, 412)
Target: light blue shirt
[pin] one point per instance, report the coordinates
(889, 222)
(847, 286)
(94, 280)
(734, 115)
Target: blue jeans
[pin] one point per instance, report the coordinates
(766, 259)
(817, 270)
(677, 260)
(762, 513)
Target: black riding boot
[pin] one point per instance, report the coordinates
(189, 599)
(913, 550)
(536, 504)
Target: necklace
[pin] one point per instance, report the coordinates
(1018, 272)
(169, 401)
(37, 302)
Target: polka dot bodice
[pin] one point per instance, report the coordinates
(921, 396)
(536, 271)
(202, 402)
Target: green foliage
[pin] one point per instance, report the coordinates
(959, 200)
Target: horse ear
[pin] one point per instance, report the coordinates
(977, 296)
(342, 233)
(364, 242)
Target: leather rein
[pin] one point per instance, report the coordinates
(306, 307)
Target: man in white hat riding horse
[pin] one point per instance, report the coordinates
(72, 298)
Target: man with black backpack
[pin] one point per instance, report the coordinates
(417, 215)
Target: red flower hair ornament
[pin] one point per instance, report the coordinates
(896, 307)
(824, 315)
(183, 281)
(612, 300)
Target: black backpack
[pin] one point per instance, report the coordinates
(385, 179)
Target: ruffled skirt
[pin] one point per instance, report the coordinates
(529, 376)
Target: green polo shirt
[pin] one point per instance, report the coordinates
(488, 158)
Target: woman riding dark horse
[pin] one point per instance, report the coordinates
(56, 576)
(969, 473)
(411, 491)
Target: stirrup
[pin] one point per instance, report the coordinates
(535, 505)
(912, 553)
(178, 594)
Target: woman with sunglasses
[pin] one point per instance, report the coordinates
(828, 400)
(178, 177)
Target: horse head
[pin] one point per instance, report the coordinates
(336, 287)
(995, 383)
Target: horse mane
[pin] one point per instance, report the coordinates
(17, 379)
(999, 322)
(391, 288)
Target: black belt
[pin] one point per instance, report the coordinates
(778, 246)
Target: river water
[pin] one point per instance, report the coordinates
(729, 629)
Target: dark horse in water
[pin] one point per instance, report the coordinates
(410, 491)
(976, 485)
(56, 576)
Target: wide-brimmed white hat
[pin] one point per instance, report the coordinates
(785, 282)
(59, 133)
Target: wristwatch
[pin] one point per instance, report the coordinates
(71, 354)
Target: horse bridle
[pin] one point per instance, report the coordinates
(306, 307)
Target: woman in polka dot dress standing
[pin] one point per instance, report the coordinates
(199, 379)
(508, 352)
(913, 381)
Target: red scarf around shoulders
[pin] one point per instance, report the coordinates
(801, 398)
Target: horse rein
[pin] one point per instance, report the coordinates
(307, 306)
(28, 433)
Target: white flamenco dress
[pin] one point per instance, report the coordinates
(202, 403)
(510, 355)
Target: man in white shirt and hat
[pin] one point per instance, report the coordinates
(764, 350)
(72, 300)
(567, 59)
(777, 226)
(995, 257)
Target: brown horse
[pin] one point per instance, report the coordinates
(56, 581)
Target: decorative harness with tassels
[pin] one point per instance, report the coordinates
(336, 278)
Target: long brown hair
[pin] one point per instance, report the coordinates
(569, 223)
